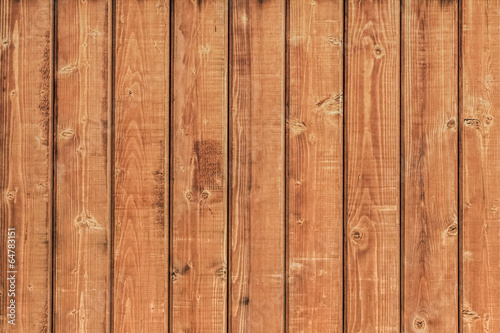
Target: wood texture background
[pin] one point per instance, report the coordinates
(250, 165)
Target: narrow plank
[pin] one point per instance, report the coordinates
(480, 158)
(140, 280)
(82, 209)
(315, 166)
(199, 143)
(430, 115)
(257, 70)
(373, 172)
(26, 163)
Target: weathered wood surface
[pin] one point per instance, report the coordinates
(26, 30)
(480, 165)
(430, 140)
(315, 166)
(257, 193)
(250, 165)
(82, 226)
(372, 164)
(141, 168)
(199, 166)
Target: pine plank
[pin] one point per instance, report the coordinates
(257, 135)
(480, 158)
(430, 115)
(315, 166)
(199, 134)
(141, 171)
(82, 211)
(26, 163)
(373, 172)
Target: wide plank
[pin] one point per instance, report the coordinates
(141, 168)
(82, 166)
(26, 163)
(430, 162)
(315, 166)
(480, 166)
(256, 155)
(372, 144)
(199, 166)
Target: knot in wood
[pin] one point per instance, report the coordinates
(419, 323)
(356, 235)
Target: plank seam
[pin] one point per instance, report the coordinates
(111, 156)
(170, 158)
(170, 161)
(401, 173)
(344, 164)
(229, 178)
(459, 161)
(52, 171)
(286, 166)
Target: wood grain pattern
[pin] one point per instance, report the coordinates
(480, 157)
(82, 213)
(140, 295)
(26, 163)
(315, 166)
(373, 172)
(336, 161)
(257, 194)
(199, 141)
(430, 112)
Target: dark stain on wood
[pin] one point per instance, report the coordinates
(208, 173)
(44, 94)
(159, 199)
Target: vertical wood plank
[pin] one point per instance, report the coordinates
(373, 172)
(199, 201)
(315, 166)
(140, 295)
(82, 211)
(257, 70)
(430, 111)
(26, 163)
(480, 158)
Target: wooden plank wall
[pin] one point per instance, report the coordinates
(140, 234)
(82, 216)
(479, 156)
(372, 166)
(26, 169)
(249, 166)
(430, 163)
(257, 158)
(315, 166)
(199, 166)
